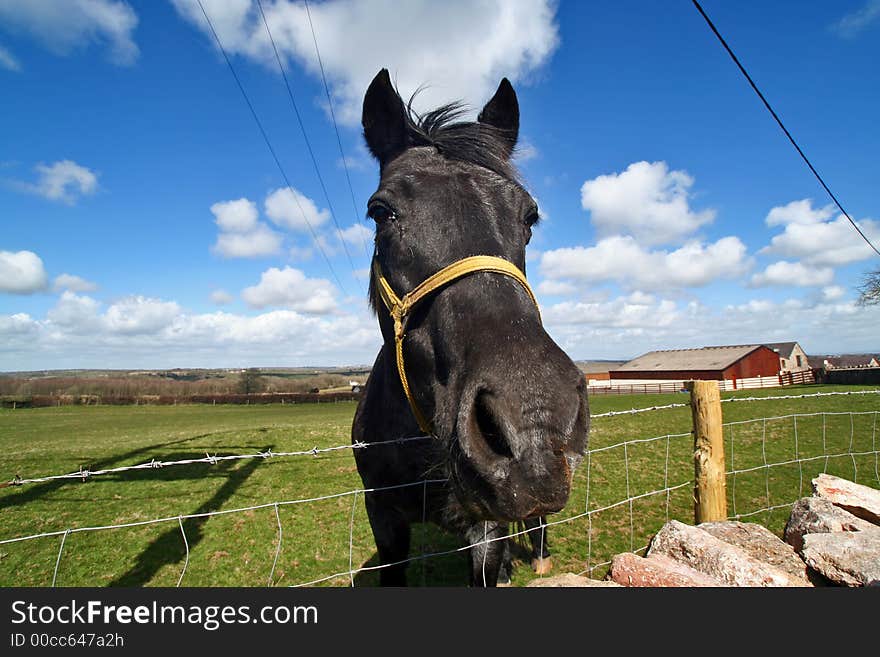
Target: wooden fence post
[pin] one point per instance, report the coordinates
(710, 482)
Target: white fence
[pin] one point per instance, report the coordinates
(663, 386)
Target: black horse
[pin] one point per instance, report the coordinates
(504, 407)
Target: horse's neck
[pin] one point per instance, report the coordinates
(385, 413)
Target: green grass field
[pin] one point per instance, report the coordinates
(238, 549)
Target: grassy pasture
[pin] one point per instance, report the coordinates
(238, 549)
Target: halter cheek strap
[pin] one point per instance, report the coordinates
(400, 308)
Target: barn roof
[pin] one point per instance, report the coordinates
(703, 359)
(843, 360)
(784, 348)
(598, 366)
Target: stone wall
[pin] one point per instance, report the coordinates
(831, 539)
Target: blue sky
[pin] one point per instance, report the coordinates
(145, 224)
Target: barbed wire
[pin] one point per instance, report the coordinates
(804, 396)
(315, 499)
(85, 473)
(794, 415)
(634, 411)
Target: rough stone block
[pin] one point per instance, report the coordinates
(818, 515)
(628, 569)
(568, 579)
(722, 561)
(861, 501)
(848, 558)
(760, 543)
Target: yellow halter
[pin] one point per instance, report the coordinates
(400, 308)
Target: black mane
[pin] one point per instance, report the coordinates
(467, 141)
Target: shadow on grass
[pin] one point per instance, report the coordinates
(446, 570)
(35, 491)
(169, 548)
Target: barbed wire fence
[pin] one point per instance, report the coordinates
(769, 458)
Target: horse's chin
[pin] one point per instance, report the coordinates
(505, 503)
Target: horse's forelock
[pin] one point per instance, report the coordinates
(473, 142)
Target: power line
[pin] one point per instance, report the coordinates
(269, 146)
(305, 136)
(333, 116)
(779, 121)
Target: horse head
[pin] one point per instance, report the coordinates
(506, 405)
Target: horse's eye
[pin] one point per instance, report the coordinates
(379, 212)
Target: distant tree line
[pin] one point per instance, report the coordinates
(249, 381)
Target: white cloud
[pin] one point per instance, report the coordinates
(73, 283)
(627, 326)
(631, 311)
(22, 272)
(853, 23)
(64, 26)
(221, 297)
(355, 163)
(139, 315)
(241, 234)
(288, 208)
(151, 333)
(811, 237)
(326, 245)
(833, 293)
(556, 288)
(458, 49)
(647, 201)
(20, 324)
(290, 288)
(357, 234)
(8, 60)
(525, 151)
(261, 241)
(798, 212)
(63, 181)
(300, 253)
(239, 216)
(76, 314)
(622, 260)
(792, 273)
(284, 335)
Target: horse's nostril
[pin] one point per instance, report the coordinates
(488, 428)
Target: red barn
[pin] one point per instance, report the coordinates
(718, 363)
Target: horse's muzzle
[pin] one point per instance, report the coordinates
(515, 463)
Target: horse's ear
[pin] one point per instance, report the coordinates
(502, 112)
(384, 118)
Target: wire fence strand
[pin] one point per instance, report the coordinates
(209, 459)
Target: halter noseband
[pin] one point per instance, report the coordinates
(400, 308)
